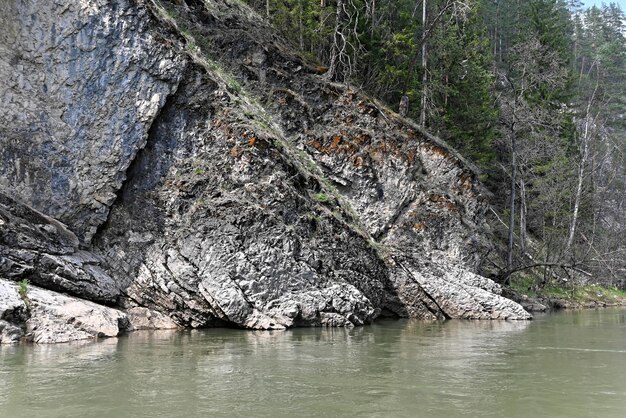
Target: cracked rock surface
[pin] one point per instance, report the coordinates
(177, 161)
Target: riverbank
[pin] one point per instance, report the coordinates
(590, 296)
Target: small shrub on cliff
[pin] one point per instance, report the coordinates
(322, 197)
(23, 290)
(234, 85)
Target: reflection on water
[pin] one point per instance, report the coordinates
(570, 365)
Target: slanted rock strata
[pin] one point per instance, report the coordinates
(177, 161)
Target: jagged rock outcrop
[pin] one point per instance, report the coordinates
(207, 175)
(42, 250)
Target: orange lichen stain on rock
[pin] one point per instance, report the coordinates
(179, 185)
(351, 143)
(334, 143)
(443, 202)
(315, 144)
(391, 147)
(436, 150)
(466, 181)
(367, 108)
(319, 69)
(410, 156)
(419, 226)
(411, 134)
(361, 138)
(377, 151)
(236, 151)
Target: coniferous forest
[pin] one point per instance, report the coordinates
(532, 92)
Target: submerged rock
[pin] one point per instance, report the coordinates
(248, 192)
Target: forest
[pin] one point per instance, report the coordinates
(532, 92)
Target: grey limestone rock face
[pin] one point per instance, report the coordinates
(13, 314)
(247, 191)
(81, 83)
(10, 333)
(57, 318)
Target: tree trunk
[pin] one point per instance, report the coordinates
(509, 261)
(335, 69)
(584, 155)
(522, 217)
(579, 188)
(371, 11)
(300, 24)
(424, 67)
(495, 34)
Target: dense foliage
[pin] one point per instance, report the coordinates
(534, 92)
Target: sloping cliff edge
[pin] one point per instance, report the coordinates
(174, 163)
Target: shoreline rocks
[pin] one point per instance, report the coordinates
(43, 317)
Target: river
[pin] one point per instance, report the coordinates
(569, 364)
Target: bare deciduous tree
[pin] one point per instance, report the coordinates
(345, 44)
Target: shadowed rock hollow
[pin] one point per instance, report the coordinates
(179, 163)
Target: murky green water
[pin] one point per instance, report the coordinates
(561, 365)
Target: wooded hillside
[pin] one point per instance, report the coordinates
(533, 92)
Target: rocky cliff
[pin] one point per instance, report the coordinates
(178, 163)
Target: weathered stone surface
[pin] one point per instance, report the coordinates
(265, 199)
(462, 294)
(530, 304)
(10, 333)
(81, 83)
(58, 318)
(144, 318)
(49, 317)
(40, 249)
(11, 304)
(533, 306)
